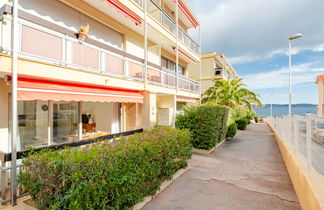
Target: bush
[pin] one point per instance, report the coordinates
(238, 113)
(108, 175)
(256, 119)
(207, 124)
(242, 123)
(231, 130)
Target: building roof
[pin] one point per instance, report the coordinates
(319, 78)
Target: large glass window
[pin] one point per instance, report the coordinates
(170, 65)
(64, 122)
(32, 122)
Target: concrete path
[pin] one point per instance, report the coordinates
(246, 172)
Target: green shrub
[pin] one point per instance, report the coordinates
(256, 119)
(231, 130)
(207, 124)
(108, 175)
(238, 113)
(242, 123)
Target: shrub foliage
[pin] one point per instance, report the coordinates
(231, 130)
(107, 175)
(242, 123)
(207, 124)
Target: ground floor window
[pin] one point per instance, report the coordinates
(44, 123)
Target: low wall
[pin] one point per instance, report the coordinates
(307, 192)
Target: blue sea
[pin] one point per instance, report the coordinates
(282, 109)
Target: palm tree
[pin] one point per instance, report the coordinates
(231, 93)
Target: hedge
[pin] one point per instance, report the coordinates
(207, 124)
(232, 129)
(107, 175)
(242, 123)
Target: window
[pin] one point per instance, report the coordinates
(32, 122)
(218, 71)
(170, 65)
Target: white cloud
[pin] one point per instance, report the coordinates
(255, 29)
(303, 73)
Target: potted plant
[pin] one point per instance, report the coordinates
(83, 33)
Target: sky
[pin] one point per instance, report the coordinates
(253, 34)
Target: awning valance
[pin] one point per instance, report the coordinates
(187, 99)
(125, 11)
(33, 89)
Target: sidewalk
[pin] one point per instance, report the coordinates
(245, 173)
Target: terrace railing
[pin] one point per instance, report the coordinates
(91, 56)
(169, 23)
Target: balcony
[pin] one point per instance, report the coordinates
(155, 11)
(92, 56)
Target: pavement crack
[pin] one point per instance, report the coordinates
(246, 189)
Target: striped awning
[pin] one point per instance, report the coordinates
(33, 89)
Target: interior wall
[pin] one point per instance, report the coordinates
(105, 115)
(4, 115)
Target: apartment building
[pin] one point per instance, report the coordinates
(320, 83)
(214, 66)
(94, 67)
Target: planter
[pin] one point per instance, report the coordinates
(164, 185)
(206, 152)
(82, 36)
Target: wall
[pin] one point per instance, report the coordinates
(320, 98)
(149, 110)
(166, 107)
(105, 115)
(4, 114)
(65, 16)
(307, 193)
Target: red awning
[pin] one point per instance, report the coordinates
(186, 11)
(185, 56)
(187, 99)
(33, 89)
(125, 11)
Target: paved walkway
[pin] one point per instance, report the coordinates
(246, 172)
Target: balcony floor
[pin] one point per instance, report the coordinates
(246, 172)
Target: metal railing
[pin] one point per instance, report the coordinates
(169, 23)
(304, 139)
(72, 52)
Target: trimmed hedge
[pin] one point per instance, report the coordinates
(106, 175)
(207, 124)
(242, 123)
(232, 129)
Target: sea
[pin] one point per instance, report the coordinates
(282, 109)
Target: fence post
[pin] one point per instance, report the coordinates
(309, 142)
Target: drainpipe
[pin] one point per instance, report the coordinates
(200, 83)
(177, 46)
(145, 44)
(14, 130)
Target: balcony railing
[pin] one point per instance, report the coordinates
(71, 52)
(169, 23)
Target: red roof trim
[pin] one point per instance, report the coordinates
(125, 11)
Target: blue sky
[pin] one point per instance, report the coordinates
(253, 34)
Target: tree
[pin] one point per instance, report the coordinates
(231, 93)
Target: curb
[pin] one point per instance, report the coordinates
(164, 185)
(206, 152)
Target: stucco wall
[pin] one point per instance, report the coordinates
(4, 114)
